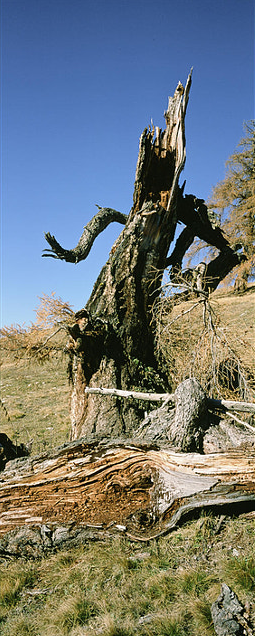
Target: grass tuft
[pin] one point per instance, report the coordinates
(242, 572)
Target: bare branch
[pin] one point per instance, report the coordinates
(244, 407)
(251, 428)
(98, 223)
(183, 313)
(137, 395)
(194, 213)
(230, 405)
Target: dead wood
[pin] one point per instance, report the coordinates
(139, 473)
(137, 487)
(113, 342)
(98, 223)
(143, 487)
(222, 405)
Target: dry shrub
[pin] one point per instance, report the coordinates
(192, 335)
(43, 338)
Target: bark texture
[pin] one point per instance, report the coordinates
(143, 486)
(137, 486)
(113, 338)
(112, 343)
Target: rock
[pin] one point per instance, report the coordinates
(227, 614)
(34, 541)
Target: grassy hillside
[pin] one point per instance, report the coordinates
(117, 587)
(37, 401)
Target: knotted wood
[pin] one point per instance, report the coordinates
(135, 487)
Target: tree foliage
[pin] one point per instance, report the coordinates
(233, 201)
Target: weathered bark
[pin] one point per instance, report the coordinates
(187, 420)
(100, 221)
(112, 342)
(124, 485)
(195, 215)
(142, 486)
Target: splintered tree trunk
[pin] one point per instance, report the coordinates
(137, 488)
(113, 340)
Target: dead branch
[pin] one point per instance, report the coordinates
(230, 405)
(150, 397)
(222, 405)
(251, 428)
(98, 223)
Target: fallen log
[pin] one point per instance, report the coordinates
(135, 487)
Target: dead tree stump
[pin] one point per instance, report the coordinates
(191, 417)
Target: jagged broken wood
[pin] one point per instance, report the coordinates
(113, 341)
(143, 487)
(135, 487)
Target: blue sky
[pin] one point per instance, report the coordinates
(81, 79)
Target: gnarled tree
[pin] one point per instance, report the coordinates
(112, 341)
(172, 464)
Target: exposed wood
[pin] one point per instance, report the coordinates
(113, 340)
(120, 352)
(223, 405)
(143, 489)
(231, 405)
(136, 395)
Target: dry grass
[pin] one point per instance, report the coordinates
(36, 398)
(119, 588)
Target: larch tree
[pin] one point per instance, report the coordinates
(112, 341)
(233, 202)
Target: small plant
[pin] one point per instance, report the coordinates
(74, 610)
